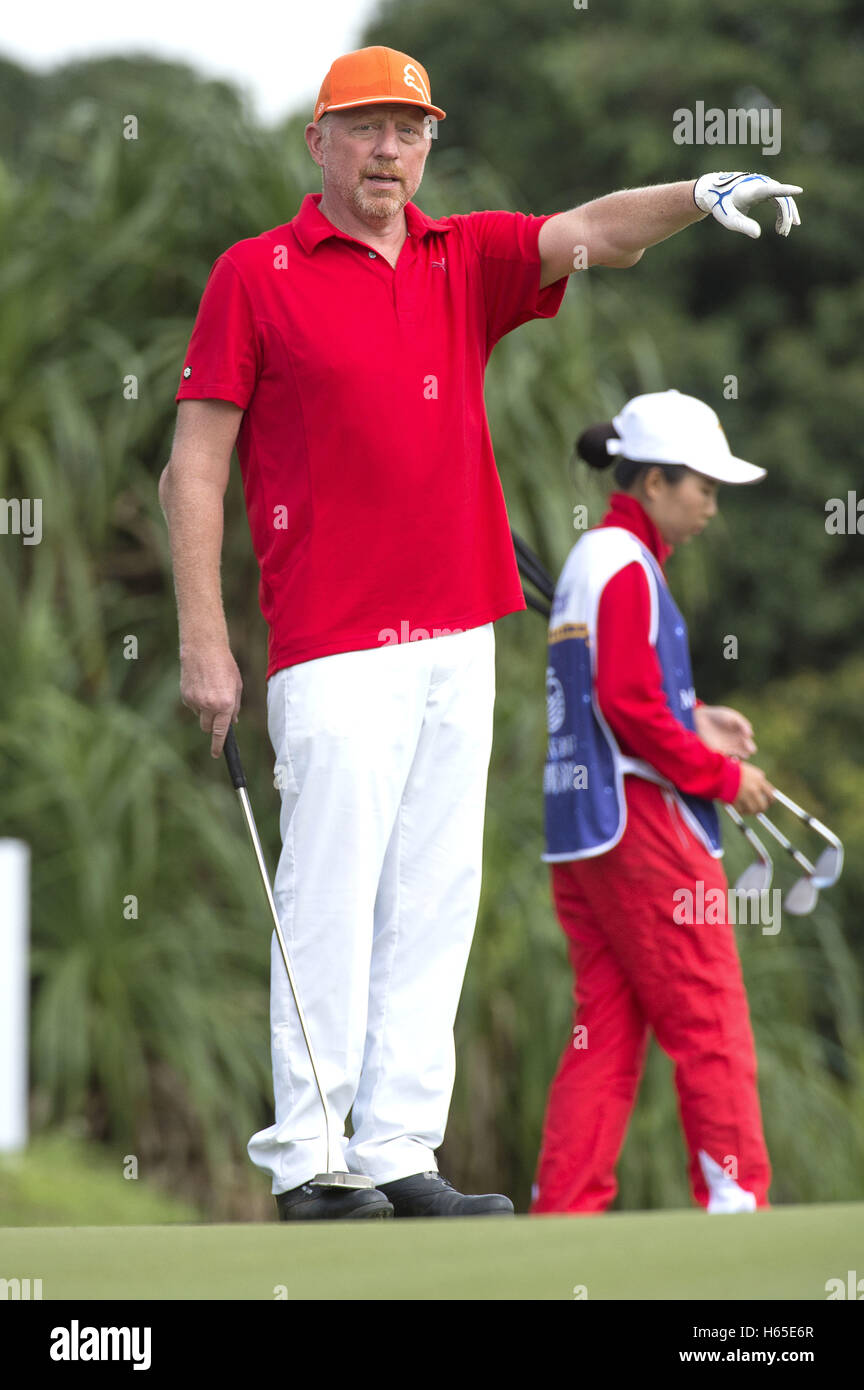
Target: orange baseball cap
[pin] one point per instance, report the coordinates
(369, 76)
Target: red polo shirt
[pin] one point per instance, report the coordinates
(374, 502)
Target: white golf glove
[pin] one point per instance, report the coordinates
(729, 196)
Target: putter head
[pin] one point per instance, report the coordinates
(343, 1180)
(756, 878)
(801, 898)
(828, 867)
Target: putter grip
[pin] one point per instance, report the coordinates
(232, 757)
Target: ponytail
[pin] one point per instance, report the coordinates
(591, 446)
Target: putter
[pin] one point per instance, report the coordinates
(334, 1177)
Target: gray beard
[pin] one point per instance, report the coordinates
(380, 207)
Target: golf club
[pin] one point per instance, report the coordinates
(758, 875)
(803, 895)
(531, 567)
(829, 865)
(537, 604)
(333, 1177)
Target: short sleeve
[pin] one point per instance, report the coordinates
(506, 243)
(222, 360)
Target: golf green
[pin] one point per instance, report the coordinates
(785, 1253)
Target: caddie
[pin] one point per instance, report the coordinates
(344, 352)
(636, 765)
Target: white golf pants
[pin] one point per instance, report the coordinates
(382, 758)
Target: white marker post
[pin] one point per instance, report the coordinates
(14, 992)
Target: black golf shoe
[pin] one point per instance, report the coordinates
(312, 1203)
(428, 1194)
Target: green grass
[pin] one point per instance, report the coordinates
(63, 1181)
(785, 1253)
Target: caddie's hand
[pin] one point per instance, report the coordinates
(725, 730)
(755, 792)
(728, 197)
(212, 687)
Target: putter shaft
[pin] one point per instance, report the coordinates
(333, 1177)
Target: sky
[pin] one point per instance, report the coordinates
(279, 55)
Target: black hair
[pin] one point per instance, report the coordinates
(591, 446)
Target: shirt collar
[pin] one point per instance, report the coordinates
(311, 226)
(627, 512)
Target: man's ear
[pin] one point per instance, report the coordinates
(315, 140)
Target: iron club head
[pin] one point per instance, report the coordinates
(756, 878)
(828, 867)
(801, 898)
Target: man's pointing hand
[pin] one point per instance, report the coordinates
(728, 197)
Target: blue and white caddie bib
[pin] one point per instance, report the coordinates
(583, 779)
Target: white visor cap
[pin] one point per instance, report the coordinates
(668, 427)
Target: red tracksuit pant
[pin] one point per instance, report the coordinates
(637, 970)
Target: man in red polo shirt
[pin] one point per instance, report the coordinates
(344, 353)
